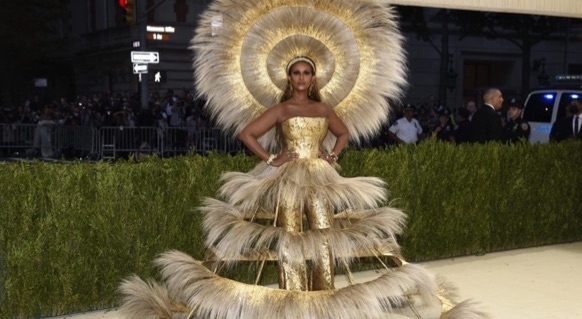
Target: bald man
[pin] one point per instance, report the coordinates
(486, 123)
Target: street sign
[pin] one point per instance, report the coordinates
(158, 36)
(139, 68)
(156, 77)
(145, 57)
(159, 76)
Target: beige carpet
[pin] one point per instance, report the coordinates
(535, 283)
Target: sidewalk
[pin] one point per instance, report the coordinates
(534, 283)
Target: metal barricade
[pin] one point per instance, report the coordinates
(53, 141)
(78, 141)
(30, 139)
(47, 139)
(175, 141)
(122, 141)
(17, 136)
(181, 140)
(231, 145)
(208, 140)
(212, 139)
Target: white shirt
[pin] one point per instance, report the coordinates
(491, 106)
(579, 116)
(405, 130)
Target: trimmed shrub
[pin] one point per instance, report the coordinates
(70, 232)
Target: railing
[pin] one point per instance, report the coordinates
(53, 141)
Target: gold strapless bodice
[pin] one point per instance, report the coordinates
(305, 135)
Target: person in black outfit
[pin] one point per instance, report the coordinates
(486, 123)
(568, 127)
(463, 127)
(516, 128)
(444, 131)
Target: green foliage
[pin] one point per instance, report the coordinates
(473, 199)
(70, 233)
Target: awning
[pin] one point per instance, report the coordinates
(563, 8)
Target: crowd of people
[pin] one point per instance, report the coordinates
(119, 109)
(472, 124)
(169, 109)
(490, 122)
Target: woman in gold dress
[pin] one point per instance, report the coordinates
(303, 120)
(344, 222)
(346, 45)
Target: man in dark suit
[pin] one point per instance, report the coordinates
(568, 127)
(463, 127)
(486, 122)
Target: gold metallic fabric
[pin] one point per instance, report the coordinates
(304, 135)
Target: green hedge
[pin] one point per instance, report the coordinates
(473, 199)
(70, 232)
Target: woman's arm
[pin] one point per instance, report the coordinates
(257, 128)
(339, 129)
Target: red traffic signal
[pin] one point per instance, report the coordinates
(129, 8)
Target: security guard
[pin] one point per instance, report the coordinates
(406, 130)
(445, 130)
(516, 128)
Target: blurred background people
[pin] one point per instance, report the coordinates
(43, 133)
(472, 108)
(463, 127)
(568, 127)
(445, 130)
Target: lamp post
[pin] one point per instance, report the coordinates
(142, 31)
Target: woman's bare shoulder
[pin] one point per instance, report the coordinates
(280, 110)
(324, 109)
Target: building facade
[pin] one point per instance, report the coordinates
(96, 57)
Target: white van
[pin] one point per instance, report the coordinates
(543, 107)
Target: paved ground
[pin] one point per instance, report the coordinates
(535, 283)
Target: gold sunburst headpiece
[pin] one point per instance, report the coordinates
(301, 58)
(242, 49)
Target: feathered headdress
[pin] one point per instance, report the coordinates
(242, 49)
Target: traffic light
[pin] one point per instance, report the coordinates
(129, 8)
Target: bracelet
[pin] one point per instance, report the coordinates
(271, 158)
(333, 156)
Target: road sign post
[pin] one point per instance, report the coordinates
(145, 57)
(140, 68)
